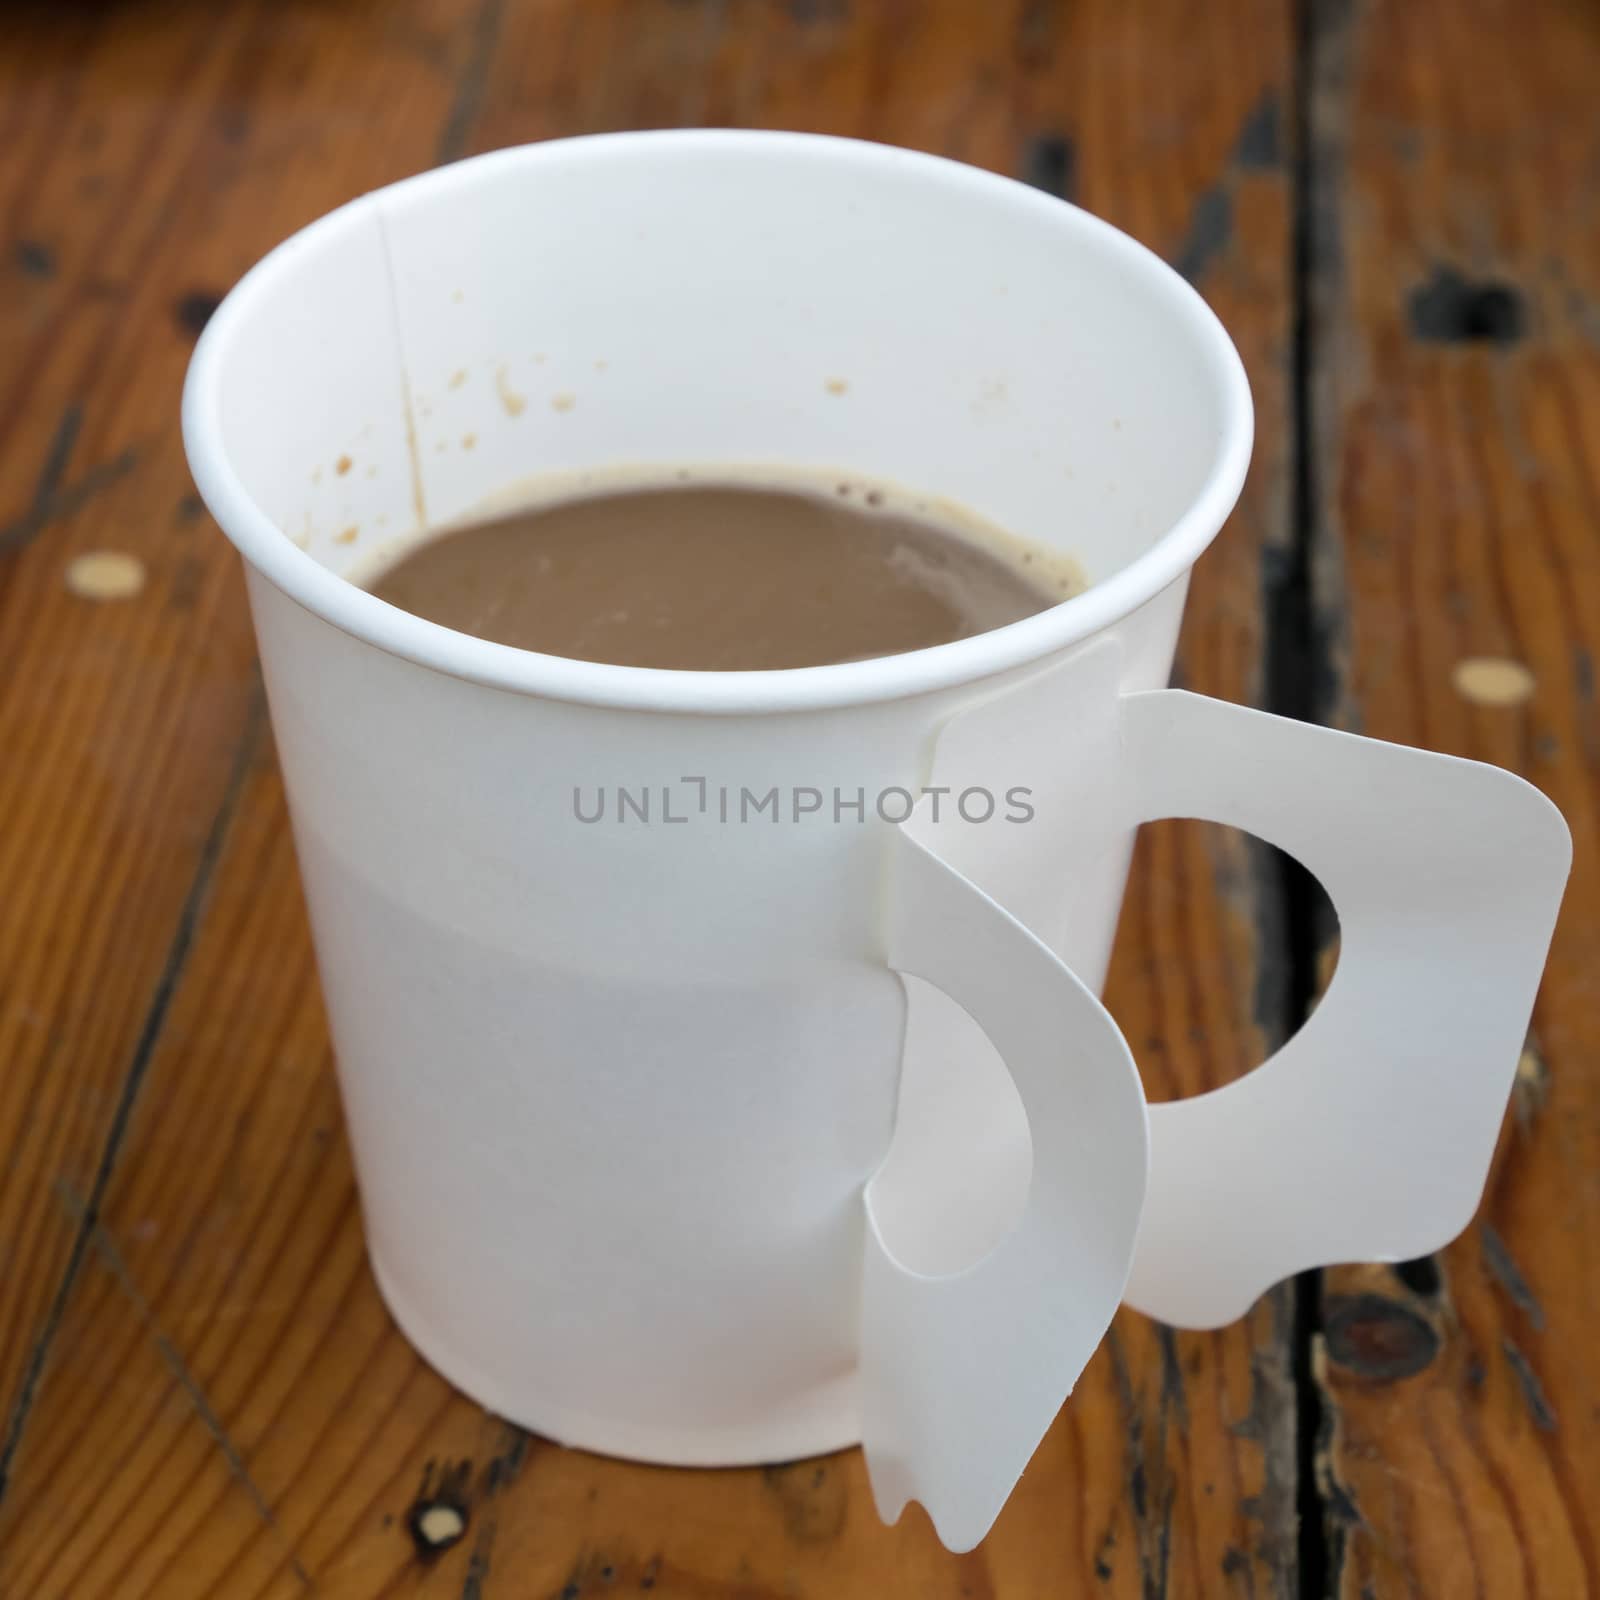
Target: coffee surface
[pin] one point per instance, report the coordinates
(722, 577)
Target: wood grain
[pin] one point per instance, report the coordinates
(135, 186)
(1458, 423)
(218, 1404)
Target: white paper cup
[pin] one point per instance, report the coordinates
(615, 1089)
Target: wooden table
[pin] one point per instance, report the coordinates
(1395, 207)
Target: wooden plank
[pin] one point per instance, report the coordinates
(226, 1409)
(1457, 407)
(149, 160)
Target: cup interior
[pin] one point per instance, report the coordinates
(720, 298)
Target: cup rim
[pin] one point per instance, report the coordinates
(273, 554)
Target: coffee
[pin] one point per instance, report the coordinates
(723, 576)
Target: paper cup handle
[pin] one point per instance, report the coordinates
(1368, 1136)
(961, 1375)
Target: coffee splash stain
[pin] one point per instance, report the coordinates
(513, 403)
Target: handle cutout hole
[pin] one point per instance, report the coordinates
(1225, 945)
